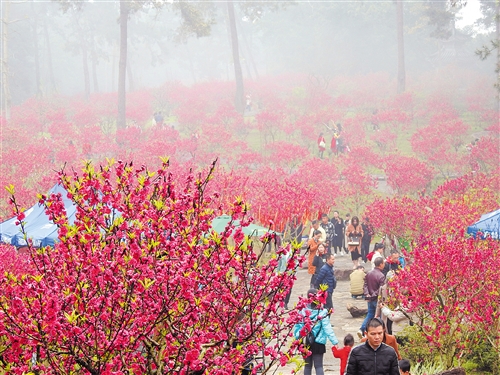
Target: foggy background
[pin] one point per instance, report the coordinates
(68, 47)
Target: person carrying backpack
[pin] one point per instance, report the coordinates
(321, 330)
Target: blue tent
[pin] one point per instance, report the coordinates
(219, 223)
(488, 225)
(38, 227)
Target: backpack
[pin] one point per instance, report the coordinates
(310, 338)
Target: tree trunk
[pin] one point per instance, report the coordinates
(249, 51)
(34, 30)
(52, 80)
(93, 57)
(131, 85)
(239, 100)
(247, 67)
(245, 51)
(113, 70)
(6, 97)
(86, 73)
(401, 48)
(122, 66)
(497, 23)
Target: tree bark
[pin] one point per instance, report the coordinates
(239, 100)
(401, 48)
(122, 66)
(6, 97)
(86, 73)
(34, 30)
(93, 57)
(497, 24)
(52, 80)
(131, 83)
(249, 51)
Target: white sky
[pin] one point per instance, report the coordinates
(469, 14)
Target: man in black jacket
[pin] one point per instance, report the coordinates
(373, 357)
(338, 233)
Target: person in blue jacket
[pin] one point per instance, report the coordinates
(322, 329)
(326, 275)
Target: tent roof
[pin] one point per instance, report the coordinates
(220, 222)
(37, 227)
(488, 225)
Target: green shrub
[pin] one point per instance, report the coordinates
(414, 346)
(427, 368)
(483, 358)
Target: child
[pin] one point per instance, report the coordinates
(404, 367)
(343, 353)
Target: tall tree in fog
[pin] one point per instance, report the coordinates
(80, 36)
(252, 10)
(239, 99)
(6, 97)
(122, 65)
(52, 87)
(401, 47)
(490, 20)
(195, 20)
(34, 28)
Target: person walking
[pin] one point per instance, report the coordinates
(368, 233)
(354, 233)
(326, 276)
(373, 356)
(312, 248)
(318, 262)
(282, 268)
(374, 280)
(329, 229)
(321, 145)
(339, 233)
(378, 252)
(322, 330)
(343, 354)
(347, 221)
(388, 339)
(315, 225)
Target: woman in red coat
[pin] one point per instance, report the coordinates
(333, 144)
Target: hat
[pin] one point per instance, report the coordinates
(311, 292)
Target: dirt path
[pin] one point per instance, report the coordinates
(342, 321)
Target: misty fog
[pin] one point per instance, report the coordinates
(65, 40)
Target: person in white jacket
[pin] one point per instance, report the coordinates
(396, 316)
(378, 252)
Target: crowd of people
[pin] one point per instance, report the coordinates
(341, 237)
(377, 351)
